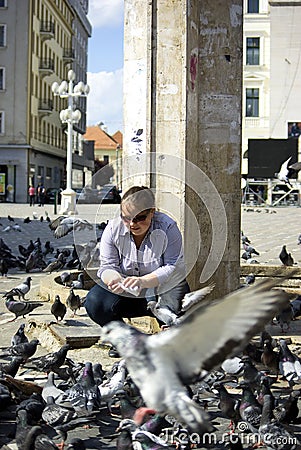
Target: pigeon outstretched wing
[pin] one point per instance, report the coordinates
(162, 364)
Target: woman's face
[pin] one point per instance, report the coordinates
(136, 220)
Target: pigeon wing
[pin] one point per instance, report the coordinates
(210, 334)
(56, 222)
(284, 168)
(296, 166)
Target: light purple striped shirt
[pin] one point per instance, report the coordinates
(161, 251)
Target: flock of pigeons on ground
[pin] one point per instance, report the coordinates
(250, 253)
(167, 390)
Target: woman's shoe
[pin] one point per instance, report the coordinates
(113, 353)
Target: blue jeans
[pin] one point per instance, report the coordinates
(103, 306)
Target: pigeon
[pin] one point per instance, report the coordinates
(249, 249)
(65, 277)
(73, 301)
(250, 409)
(289, 364)
(192, 298)
(25, 350)
(63, 225)
(159, 364)
(37, 440)
(79, 283)
(19, 337)
(57, 264)
(11, 368)
(250, 279)
(58, 309)
(273, 434)
(34, 406)
(11, 219)
(163, 314)
(76, 444)
(27, 220)
(115, 384)
(52, 361)
(19, 308)
(285, 257)
(50, 389)
(283, 174)
(269, 358)
(287, 411)
(285, 316)
(21, 290)
(244, 238)
(228, 404)
(83, 395)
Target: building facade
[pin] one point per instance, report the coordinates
(271, 72)
(40, 40)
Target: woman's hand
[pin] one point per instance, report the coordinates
(114, 286)
(133, 282)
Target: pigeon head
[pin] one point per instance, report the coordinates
(121, 336)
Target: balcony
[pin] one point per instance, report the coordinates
(46, 66)
(47, 30)
(256, 122)
(68, 55)
(45, 107)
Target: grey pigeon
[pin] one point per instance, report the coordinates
(37, 440)
(57, 264)
(25, 350)
(19, 308)
(289, 363)
(249, 249)
(34, 406)
(58, 309)
(250, 409)
(296, 307)
(51, 361)
(65, 277)
(73, 301)
(273, 434)
(79, 283)
(84, 394)
(163, 313)
(19, 337)
(50, 389)
(160, 364)
(21, 290)
(192, 298)
(11, 368)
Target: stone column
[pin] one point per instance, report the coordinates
(182, 113)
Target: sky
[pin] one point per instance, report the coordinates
(105, 64)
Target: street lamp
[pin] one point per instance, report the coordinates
(69, 116)
(117, 165)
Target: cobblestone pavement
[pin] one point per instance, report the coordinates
(267, 228)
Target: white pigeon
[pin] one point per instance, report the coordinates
(282, 175)
(162, 364)
(7, 229)
(114, 385)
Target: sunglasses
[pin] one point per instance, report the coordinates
(136, 219)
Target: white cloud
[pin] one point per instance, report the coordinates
(106, 12)
(105, 100)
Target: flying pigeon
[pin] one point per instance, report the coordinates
(161, 364)
(283, 174)
(63, 225)
(21, 290)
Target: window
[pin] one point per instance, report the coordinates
(3, 4)
(252, 58)
(253, 6)
(252, 102)
(2, 35)
(106, 159)
(1, 122)
(2, 78)
(48, 172)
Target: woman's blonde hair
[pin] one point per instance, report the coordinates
(140, 196)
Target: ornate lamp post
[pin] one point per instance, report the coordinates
(69, 116)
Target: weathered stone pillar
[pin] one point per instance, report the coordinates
(182, 113)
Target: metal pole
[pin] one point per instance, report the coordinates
(69, 137)
(117, 167)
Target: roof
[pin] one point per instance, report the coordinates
(118, 136)
(103, 141)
